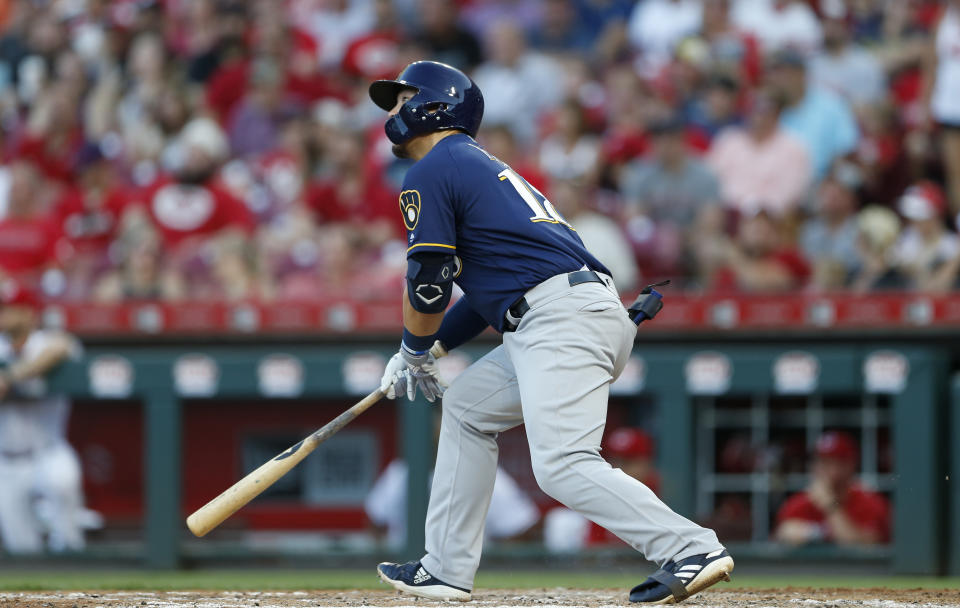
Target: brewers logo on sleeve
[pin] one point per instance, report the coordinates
(410, 208)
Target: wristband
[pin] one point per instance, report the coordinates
(418, 345)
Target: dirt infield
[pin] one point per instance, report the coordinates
(788, 597)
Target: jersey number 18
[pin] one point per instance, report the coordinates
(542, 211)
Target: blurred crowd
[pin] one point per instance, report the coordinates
(227, 149)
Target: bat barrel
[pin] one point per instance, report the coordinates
(212, 514)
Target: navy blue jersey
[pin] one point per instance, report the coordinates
(508, 237)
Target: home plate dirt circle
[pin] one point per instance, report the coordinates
(788, 597)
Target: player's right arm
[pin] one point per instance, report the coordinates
(460, 325)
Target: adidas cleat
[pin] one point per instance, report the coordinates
(413, 578)
(677, 581)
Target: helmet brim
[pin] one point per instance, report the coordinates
(384, 92)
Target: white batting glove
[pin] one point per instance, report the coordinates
(407, 370)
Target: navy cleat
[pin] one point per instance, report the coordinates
(677, 581)
(413, 578)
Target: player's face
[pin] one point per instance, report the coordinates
(16, 319)
(834, 471)
(402, 97)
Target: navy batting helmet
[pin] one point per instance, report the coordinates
(445, 99)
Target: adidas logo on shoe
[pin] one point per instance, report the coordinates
(421, 576)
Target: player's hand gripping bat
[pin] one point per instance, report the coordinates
(212, 514)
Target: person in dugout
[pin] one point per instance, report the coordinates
(835, 507)
(41, 504)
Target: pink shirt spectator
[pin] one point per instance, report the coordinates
(771, 174)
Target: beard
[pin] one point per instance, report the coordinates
(400, 151)
(196, 176)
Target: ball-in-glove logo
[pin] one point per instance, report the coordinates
(410, 208)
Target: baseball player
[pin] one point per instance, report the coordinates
(472, 220)
(42, 497)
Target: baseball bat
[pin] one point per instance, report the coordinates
(212, 514)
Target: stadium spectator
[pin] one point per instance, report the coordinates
(758, 260)
(779, 24)
(444, 39)
(671, 185)
(354, 195)
(86, 218)
(878, 229)
(843, 66)
(829, 238)
(480, 16)
(881, 154)
(717, 108)
(632, 451)
(560, 30)
(761, 166)
(571, 152)
(28, 237)
(734, 53)
(927, 254)
(376, 54)
(600, 233)
(628, 109)
(41, 505)
(834, 508)
(192, 203)
(133, 108)
(943, 81)
(656, 26)
(285, 85)
(254, 125)
(664, 194)
(819, 118)
(333, 25)
(52, 136)
(527, 83)
(86, 215)
(139, 273)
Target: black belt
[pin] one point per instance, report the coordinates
(519, 308)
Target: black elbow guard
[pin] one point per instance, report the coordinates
(430, 280)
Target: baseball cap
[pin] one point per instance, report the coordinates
(629, 443)
(837, 445)
(922, 201)
(14, 293)
(206, 135)
(879, 226)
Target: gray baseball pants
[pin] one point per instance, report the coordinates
(553, 374)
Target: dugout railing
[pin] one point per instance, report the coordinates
(697, 389)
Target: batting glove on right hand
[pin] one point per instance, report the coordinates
(407, 370)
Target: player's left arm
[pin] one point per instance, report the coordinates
(59, 348)
(426, 205)
(423, 325)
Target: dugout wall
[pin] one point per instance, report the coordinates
(699, 391)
